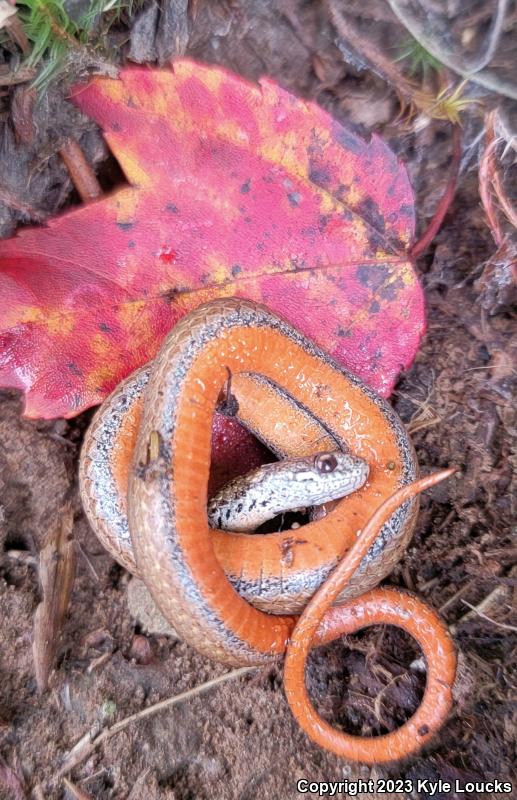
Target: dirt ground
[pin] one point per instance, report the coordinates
(239, 740)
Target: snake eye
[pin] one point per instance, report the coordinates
(327, 462)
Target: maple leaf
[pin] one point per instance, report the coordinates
(233, 190)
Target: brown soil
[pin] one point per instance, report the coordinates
(239, 740)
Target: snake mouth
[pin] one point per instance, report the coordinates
(288, 521)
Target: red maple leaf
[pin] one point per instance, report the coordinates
(234, 189)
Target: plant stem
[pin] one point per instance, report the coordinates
(443, 206)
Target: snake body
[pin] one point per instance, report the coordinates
(144, 474)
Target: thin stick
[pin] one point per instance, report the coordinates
(456, 595)
(499, 593)
(479, 613)
(139, 784)
(81, 173)
(443, 206)
(9, 77)
(85, 751)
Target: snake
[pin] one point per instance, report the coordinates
(235, 596)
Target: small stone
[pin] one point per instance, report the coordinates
(140, 650)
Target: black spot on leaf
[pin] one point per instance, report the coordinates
(74, 369)
(294, 198)
(319, 174)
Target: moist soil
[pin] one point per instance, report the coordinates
(239, 739)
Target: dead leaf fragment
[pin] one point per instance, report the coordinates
(56, 574)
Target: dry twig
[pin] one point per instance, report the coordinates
(139, 784)
(475, 610)
(81, 173)
(500, 593)
(93, 738)
(8, 77)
